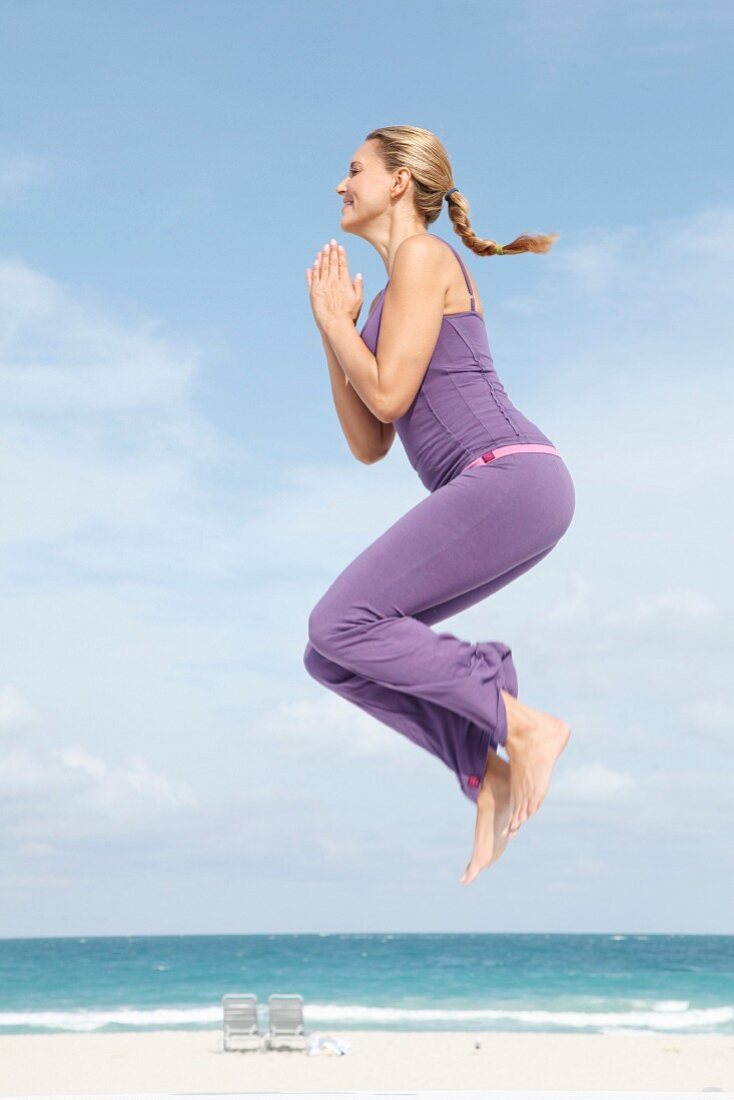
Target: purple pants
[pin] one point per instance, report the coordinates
(370, 637)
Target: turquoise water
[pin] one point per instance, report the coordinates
(619, 984)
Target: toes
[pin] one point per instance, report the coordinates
(515, 806)
(516, 819)
(469, 875)
(534, 805)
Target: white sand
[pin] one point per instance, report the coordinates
(193, 1062)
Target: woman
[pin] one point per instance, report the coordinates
(500, 495)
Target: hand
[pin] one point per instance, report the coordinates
(332, 292)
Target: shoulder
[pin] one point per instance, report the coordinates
(421, 248)
(419, 258)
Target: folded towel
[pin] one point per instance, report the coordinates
(329, 1044)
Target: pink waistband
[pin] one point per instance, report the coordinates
(544, 448)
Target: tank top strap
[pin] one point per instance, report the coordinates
(463, 268)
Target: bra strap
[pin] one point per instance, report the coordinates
(463, 268)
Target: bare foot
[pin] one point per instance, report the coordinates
(493, 814)
(534, 742)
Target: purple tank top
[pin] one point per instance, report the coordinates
(461, 408)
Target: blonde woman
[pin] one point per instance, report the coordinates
(500, 495)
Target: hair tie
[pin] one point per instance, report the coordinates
(498, 249)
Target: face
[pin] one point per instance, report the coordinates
(365, 190)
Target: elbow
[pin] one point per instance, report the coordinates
(371, 454)
(366, 455)
(389, 407)
(389, 411)
(384, 408)
(384, 401)
(376, 456)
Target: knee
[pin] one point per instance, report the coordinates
(336, 621)
(313, 662)
(324, 671)
(320, 631)
(325, 624)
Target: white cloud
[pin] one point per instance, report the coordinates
(54, 796)
(20, 771)
(14, 711)
(18, 171)
(594, 783)
(711, 716)
(661, 607)
(77, 757)
(328, 725)
(61, 354)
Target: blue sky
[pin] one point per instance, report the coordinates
(176, 494)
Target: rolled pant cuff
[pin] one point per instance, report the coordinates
(471, 781)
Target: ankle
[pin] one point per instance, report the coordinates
(519, 722)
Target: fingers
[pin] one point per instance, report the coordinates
(331, 262)
(325, 263)
(344, 271)
(343, 265)
(318, 266)
(343, 268)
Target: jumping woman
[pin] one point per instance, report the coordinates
(500, 495)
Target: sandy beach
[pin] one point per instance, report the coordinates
(193, 1061)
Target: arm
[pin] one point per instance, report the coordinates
(411, 321)
(368, 438)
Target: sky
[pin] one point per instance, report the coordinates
(176, 493)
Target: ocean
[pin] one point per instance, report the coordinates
(613, 984)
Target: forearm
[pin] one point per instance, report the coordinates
(358, 364)
(362, 429)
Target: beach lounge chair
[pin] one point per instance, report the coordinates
(240, 1022)
(286, 1022)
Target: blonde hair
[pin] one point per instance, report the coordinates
(424, 155)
